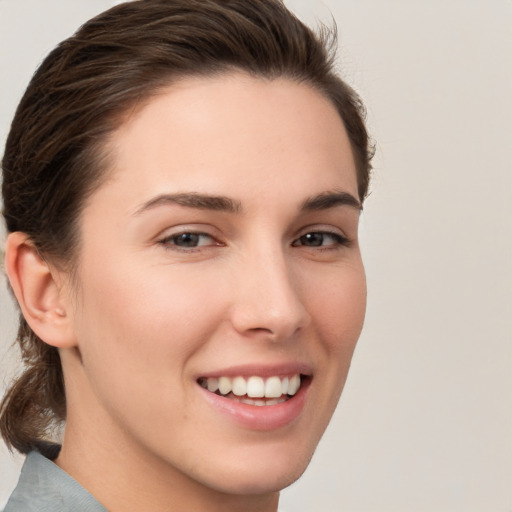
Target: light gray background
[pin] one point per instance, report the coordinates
(425, 423)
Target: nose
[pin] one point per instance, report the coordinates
(269, 301)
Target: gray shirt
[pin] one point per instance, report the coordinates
(44, 487)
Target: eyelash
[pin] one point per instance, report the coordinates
(339, 240)
(170, 242)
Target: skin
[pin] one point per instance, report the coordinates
(146, 317)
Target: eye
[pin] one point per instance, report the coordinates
(321, 239)
(188, 240)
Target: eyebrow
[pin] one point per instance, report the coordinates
(330, 199)
(322, 201)
(193, 200)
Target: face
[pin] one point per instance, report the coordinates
(220, 285)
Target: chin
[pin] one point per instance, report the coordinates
(262, 474)
(254, 483)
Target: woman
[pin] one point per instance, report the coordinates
(182, 187)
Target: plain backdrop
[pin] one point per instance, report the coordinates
(425, 421)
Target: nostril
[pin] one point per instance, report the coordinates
(261, 330)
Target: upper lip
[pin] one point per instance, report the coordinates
(248, 370)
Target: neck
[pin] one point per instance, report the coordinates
(124, 475)
(123, 480)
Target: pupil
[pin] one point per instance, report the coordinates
(187, 240)
(313, 239)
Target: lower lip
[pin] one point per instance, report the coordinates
(255, 417)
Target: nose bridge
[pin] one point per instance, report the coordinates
(268, 298)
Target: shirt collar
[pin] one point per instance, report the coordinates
(44, 487)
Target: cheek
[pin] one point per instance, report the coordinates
(338, 307)
(338, 311)
(143, 322)
(138, 335)
(159, 298)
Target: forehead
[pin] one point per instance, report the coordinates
(202, 133)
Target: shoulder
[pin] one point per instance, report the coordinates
(44, 487)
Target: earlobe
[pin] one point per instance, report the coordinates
(38, 292)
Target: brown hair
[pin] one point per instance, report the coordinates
(55, 153)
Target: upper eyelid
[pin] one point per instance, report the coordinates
(323, 232)
(219, 235)
(170, 236)
(201, 229)
(321, 228)
(169, 242)
(185, 232)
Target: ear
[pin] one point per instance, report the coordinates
(38, 289)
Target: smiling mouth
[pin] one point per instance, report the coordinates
(254, 390)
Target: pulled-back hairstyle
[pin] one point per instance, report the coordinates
(55, 155)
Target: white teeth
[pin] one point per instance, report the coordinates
(273, 387)
(284, 385)
(224, 385)
(254, 387)
(260, 402)
(239, 386)
(275, 401)
(212, 384)
(294, 385)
